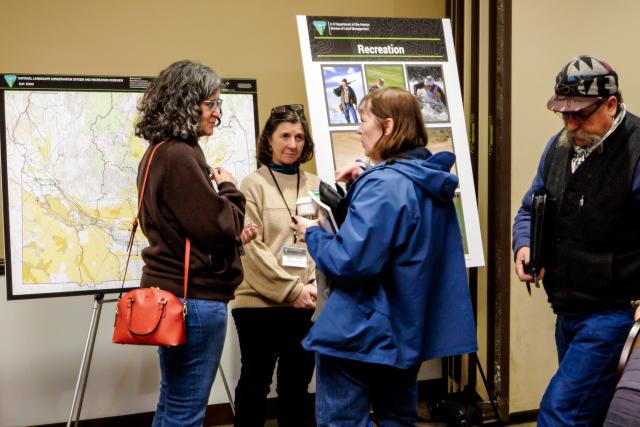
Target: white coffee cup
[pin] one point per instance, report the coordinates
(305, 207)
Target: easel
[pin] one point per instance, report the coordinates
(85, 365)
(83, 374)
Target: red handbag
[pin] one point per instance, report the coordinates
(151, 316)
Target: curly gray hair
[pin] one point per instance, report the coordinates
(171, 105)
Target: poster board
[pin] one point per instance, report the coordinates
(367, 54)
(69, 166)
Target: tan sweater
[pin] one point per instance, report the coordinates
(267, 283)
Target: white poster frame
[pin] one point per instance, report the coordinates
(320, 120)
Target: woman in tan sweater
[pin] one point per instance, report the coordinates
(273, 305)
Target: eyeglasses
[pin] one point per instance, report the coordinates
(582, 115)
(213, 104)
(299, 108)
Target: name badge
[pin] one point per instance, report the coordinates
(293, 256)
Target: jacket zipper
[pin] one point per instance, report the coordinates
(581, 204)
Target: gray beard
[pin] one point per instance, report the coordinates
(568, 139)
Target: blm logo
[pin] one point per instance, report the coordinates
(320, 27)
(10, 79)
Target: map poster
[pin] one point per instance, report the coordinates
(69, 165)
(346, 58)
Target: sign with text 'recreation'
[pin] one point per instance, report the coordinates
(345, 58)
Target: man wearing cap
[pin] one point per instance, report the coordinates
(348, 100)
(591, 251)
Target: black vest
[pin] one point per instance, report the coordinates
(592, 230)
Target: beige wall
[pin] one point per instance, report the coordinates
(242, 38)
(546, 34)
(42, 340)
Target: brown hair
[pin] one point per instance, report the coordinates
(264, 152)
(408, 127)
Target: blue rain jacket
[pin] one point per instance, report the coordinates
(399, 283)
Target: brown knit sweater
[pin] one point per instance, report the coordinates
(179, 202)
(267, 283)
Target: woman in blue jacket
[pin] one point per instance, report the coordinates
(399, 286)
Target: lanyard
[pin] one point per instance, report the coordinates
(282, 195)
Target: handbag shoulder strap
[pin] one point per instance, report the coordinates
(629, 346)
(134, 227)
(187, 253)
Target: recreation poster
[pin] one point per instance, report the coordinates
(345, 58)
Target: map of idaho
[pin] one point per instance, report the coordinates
(71, 164)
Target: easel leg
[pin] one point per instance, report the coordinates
(226, 387)
(83, 374)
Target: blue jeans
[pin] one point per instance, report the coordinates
(347, 389)
(350, 109)
(187, 371)
(588, 351)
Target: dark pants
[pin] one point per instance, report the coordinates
(347, 389)
(268, 335)
(623, 410)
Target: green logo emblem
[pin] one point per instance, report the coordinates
(320, 26)
(10, 79)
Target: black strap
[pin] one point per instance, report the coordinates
(494, 406)
(282, 195)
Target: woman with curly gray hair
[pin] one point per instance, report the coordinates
(180, 202)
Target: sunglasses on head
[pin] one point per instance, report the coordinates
(299, 108)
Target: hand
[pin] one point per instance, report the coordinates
(349, 173)
(300, 224)
(220, 175)
(636, 317)
(249, 232)
(306, 299)
(523, 256)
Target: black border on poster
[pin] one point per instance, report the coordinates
(81, 83)
(349, 38)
